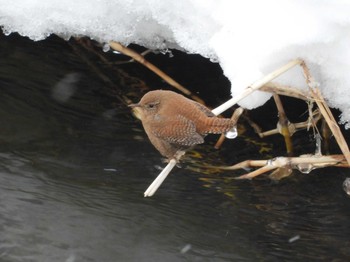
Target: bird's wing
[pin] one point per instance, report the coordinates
(177, 130)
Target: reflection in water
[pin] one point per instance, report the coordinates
(346, 185)
(73, 169)
(65, 88)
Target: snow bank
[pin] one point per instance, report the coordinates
(249, 38)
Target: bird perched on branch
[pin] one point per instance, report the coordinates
(174, 123)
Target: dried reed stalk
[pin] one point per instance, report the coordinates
(255, 86)
(139, 58)
(276, 88)
(284, 124)
(312, 162)
(326, 112)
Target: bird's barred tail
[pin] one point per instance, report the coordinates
(218, 125)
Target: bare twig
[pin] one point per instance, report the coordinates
(308, 162)
(139, 58)
(132, 60)
(293, 127)
(283, 124)
(276, 88)
(255, 86)
(326, 112)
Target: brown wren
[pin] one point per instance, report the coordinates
(174, 123)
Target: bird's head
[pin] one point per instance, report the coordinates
(149, 104)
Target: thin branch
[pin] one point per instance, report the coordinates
(309, 161)
(284, 124)
(326, 112)
(139, 58)
(284, 90)
(255, 86)
(293, 127)
(257, 172)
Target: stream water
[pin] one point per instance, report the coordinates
(74, 166)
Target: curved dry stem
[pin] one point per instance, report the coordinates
(284, 90)
(255, 86)
(311, 161)
(326, 112)
(284, 125)
(257, 172)
(139, 58)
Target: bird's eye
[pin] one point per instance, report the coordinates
(152, 105)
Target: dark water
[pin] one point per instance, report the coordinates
(74, 165)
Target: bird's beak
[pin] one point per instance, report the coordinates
(136, 109)
(134, 105)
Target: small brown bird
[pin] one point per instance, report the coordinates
(174, 123)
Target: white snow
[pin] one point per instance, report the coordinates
(249, 38)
